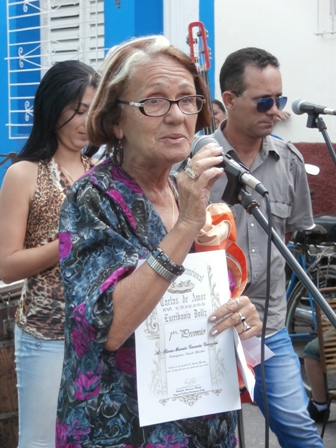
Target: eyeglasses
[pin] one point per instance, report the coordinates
(157, 107)
(265, 104)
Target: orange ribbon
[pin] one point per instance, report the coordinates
(219, 232)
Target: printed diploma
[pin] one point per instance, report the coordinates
(183, 371)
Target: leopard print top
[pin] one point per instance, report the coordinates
(41, 309)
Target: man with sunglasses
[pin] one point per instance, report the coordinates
(251, 87)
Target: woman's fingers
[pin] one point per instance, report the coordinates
(239, 313)
(208, 157)
(194, 185)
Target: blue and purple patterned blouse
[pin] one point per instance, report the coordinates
(107, 224)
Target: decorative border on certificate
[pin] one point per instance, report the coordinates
(183, 371)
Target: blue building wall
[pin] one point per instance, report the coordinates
(132, 18)
(4, 81)
(207, 16)
(20, 98)
(7, 145)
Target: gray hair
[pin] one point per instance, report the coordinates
(118, 67)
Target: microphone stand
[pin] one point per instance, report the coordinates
(252, 207)
(315, 121)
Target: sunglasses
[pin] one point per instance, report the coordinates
(265, 104)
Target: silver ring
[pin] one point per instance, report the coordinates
(246, 327)
(242, 318)
(190, 172)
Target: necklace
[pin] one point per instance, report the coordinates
(66, 172)
(67, 175)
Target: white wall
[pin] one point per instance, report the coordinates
(177, 16)
(286, 28)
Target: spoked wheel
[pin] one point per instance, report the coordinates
(300, 320)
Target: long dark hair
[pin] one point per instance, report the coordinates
(64, 83)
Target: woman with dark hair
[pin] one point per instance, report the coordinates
(149, 104)
(30, 200)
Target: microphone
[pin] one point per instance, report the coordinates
(231, 166)
(300, 107)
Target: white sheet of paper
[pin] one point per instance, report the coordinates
(252, 351)
(246, 374)
(249, 353)
(183, 371)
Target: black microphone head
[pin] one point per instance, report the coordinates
(296, 106)
(204, 140)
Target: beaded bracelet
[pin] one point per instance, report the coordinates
(159, 269)
(166, 262)
(163, 265)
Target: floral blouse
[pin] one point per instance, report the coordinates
(107, 224)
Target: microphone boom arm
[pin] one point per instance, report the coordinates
(251, 206)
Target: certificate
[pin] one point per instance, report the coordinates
(183, 371)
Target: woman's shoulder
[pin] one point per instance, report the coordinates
(24, 166)
(100, 176)
(23, 171)
(20, 181)
(98, 180)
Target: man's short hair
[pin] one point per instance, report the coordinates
(231, 76)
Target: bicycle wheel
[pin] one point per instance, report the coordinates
(300, 321)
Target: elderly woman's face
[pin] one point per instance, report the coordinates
(157, 141)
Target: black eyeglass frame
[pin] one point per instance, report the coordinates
(140, 104)
(261, 102)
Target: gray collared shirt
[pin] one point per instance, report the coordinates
(280, 168)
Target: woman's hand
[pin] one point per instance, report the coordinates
(195, 182)
(239, 313)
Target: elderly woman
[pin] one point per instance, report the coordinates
(148, 106)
